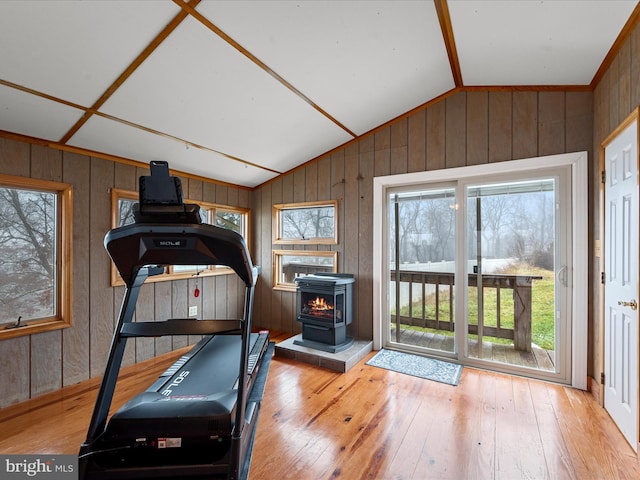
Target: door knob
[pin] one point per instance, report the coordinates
(633, 304)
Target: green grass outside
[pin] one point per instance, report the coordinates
(542, 307)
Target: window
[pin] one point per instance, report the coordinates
(35, 256)
(305, 223)
(232, 218)
(290, 264)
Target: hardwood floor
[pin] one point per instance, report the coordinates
(373, 423)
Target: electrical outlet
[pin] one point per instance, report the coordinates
(193, 311)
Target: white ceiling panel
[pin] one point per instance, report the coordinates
(105, 135)
(346, 56)
(274, 83)
(199, 88)
(34, 116)
(535, 42)
(75, 50)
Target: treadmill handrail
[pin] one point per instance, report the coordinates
(180, 327)
(138, 245)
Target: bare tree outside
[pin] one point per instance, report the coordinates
(308, 223)
(28, 224)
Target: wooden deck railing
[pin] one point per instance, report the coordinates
(520, 286)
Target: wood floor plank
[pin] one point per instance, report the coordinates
(556, 453)
(516, 427)
(375, 424)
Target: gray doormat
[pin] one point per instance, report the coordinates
(418, 366)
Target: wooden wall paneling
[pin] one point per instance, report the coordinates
(244, 198)
(324, 178)
(262, 218)
(222, 194)
(46, 362)
(208, 295)
(338, 188)
(398, 145)
(125, 177)
(614, 93)
(194, 189)
(366, 163)
(276, 296)
(456, 130)
(15, 158)
(257, 245)
(416, 141)
(551, 123)
(477, 128)
(382, 152)
(209, 192)
(311, 181)
(635, 67)
(299, 185)
(624, 80)
(75, 340)
(46, 163)
(163, 311)
(606, 104)
(46, 348)
(351, 216)
(525, 123)
(179, 309)
(500, 126)
(14, 376)
(101, 307)
(579, 123)
(436, 136)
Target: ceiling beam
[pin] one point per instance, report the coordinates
(450, 43)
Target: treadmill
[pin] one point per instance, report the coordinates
(198, 419)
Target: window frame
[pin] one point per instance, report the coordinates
(278, 284)
(64, 222)
(169, 274)
(276, 218)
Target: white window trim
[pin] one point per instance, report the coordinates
(579, 276)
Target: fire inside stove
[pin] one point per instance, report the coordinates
(318, 307)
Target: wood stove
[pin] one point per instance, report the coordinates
(324, 304)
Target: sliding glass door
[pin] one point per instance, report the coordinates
(517, 272)
(478, 271)
(422, 243)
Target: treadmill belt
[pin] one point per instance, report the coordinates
(188, 412)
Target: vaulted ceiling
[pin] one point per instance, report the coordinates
(242, 91)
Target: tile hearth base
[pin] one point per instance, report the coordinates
(338, 362)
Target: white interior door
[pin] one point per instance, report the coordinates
(621, 286)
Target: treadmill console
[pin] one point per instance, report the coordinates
(161, 198)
